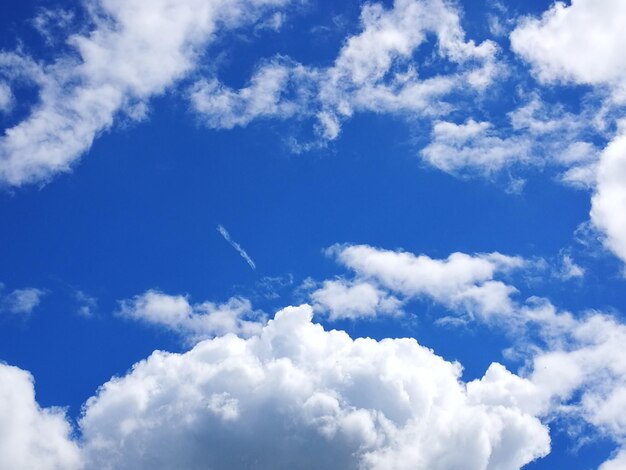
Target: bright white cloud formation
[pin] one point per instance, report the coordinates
(298, 395)
(135, 50)
(377, 70)
(558, 51)
(608, 205)
(193, 322)
(575, 371)
(353, 299)
(294, 393)
(32, 437)
(460, 282)
(577, 43)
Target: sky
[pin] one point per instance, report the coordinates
(312, 234)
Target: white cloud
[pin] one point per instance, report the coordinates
(20, 301)
(345, 299)
(616, 463)
(473, 146)
(32, 437)
(293, 392)
(558, 51)
(136, 50)
(194, 322)
(375, 71)
(608, 204)
(582, 372)
(87, 304)
(538, 133)
(6, 97)
(570, 269)
(298, 395)
(461, 282)
(575, 366)
(269, 95)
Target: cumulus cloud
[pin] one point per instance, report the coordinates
(87, 304)
(196, 321)
(20, 301)
(375, 71)
(135, 50)
(32, 437)
(299, 395)
(608, 204)
(580, 372)
(574, 366)
(6, 97)
(295, 394)
(461, 282)
(353, 299)
(537, 134)
(558, 51)
(569, 269)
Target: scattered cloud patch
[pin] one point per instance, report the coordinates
(6, 98)
(354, 299)
(87, 304)
(608, 204)
(193, 322)
(461, 282)
(136, 50)
(557, 51)
(20, 301)
(376, 70)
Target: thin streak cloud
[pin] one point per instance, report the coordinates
(236, 246)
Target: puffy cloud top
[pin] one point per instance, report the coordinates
(297, 396)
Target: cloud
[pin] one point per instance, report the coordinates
(20, 301)
(87, 304)
(299, 395)
(559, 53)
(616, 463)
(570, 269)
(224, 233)
(357, 299)
(608, 204)
(135, 50)
(292, 392)
(473, 146)
(32, 437)
(536, 133)
(278, 90)
(580, 373)
(575, 370)
(193, 322)
(6, 98)
(376, 70)
(461, 282)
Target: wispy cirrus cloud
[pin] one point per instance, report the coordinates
(224, 233)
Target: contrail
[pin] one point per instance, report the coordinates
(236, 246)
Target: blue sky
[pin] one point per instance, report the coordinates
(448, 172)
